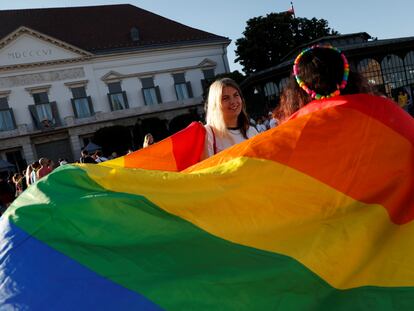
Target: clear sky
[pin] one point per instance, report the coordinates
(380, 18)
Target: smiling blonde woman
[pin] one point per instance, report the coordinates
(227, 122)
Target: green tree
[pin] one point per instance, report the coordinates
(236, 75)
(268, 39)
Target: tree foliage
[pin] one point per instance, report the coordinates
(268, 39)
(236, 75)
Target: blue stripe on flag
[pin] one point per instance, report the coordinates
(33, 276)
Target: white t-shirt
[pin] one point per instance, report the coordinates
(101, 159)
(273, 123)
(261, 128)
(235, 137)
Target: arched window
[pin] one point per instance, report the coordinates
(409, 67)
(270, 89)
(371, 70)
(283, 83)
(393, 71)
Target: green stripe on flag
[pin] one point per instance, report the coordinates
(131, 241)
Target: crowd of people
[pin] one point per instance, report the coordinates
(12, 185)
(321, 72)
(265, 122)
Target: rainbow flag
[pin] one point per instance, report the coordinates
(175, 153)
(316, 214)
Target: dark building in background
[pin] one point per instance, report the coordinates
(387, 64)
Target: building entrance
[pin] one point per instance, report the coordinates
(55, 150)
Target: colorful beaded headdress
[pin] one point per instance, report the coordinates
(302, 84)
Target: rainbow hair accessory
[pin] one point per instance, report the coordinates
(311, 92)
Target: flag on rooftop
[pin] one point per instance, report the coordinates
(290, 11)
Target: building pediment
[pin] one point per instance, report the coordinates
(112, 76)
(27, 47)
(207, 63)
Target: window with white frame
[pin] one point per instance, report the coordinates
(150, 92)
(7, 121)
(81, 103)
(117, 98)
(182, 88)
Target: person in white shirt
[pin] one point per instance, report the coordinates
(227, 122)
(273, 122)
(266, 121)
(260, 127)
(98, 157)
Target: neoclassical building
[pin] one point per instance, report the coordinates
(387, 64)
(67, 72)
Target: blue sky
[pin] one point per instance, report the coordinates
(380, 18)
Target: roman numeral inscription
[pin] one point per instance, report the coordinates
(29, 53)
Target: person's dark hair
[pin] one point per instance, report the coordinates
(321, 70)
(88, 159)
(84, 152)
(243, 121)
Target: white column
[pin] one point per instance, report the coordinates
(28, 152)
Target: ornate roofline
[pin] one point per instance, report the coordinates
(84, 55)
(25, 30)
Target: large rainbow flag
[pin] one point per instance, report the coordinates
(316, 214)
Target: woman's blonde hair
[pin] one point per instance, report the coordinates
(214, 116)
(147, 140)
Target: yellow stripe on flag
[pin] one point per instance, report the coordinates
(338, 238)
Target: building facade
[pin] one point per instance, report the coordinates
(61, 80)
(387, 64)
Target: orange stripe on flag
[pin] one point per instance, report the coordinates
(158, 156)
(347, 150)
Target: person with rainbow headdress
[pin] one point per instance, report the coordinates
(319, 72)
